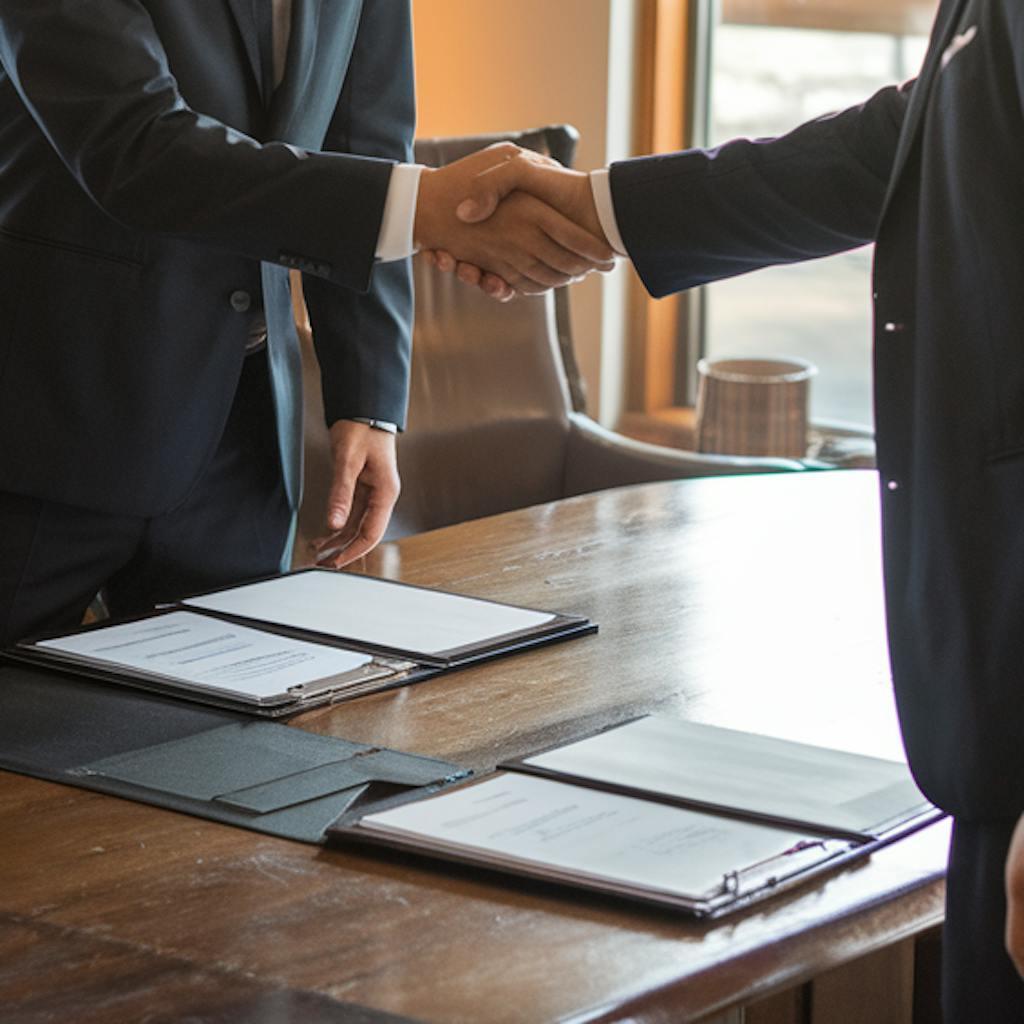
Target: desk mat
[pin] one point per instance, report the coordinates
(209, 762)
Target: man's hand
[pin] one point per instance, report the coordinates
(526, 243)
(1015, 898)
(364, 490)
(567, 191)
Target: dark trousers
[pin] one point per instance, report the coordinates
(232, 526)
(979, 982)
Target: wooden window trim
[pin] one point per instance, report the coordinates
(663, 88)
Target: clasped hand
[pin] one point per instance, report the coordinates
(510, 221)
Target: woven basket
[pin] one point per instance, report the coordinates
(753, 406)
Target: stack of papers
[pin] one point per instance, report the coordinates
(565, 833)
(181, 648)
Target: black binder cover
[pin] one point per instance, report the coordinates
(212, 763)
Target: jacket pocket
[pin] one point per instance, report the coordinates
(38, 242)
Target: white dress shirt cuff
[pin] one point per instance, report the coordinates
(394, 242)
(601, 187)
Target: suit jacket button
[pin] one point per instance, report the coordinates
(241, 302)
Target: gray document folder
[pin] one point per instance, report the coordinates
(208, 762)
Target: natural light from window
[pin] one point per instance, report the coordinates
(765, 81)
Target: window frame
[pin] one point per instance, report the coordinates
(675, 44)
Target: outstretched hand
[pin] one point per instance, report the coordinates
(505, 238)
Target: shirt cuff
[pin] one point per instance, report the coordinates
(394, 242)
(601, 187)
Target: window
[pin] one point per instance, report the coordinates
(772, 65)
(756, 68)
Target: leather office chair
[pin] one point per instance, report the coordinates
(496, 417)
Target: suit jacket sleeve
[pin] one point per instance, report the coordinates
(94, 76)
(702, 215)
(363, 341)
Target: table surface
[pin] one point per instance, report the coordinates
(752, 602)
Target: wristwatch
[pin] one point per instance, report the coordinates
(388, 428)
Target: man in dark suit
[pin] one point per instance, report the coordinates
(159, 177)
(932, 173)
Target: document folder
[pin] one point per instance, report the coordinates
(552, 818)
(279, 646)
(204, 761)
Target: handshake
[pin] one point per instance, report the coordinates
(510, 221)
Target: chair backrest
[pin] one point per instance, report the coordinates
(488, 414)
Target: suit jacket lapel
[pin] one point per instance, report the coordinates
(945, 27)
(242, 11)
(322, 36)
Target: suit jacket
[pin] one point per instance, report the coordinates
(932, 172)
(151, 197)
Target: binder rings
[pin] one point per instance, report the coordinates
(279, 646)
(602, 830)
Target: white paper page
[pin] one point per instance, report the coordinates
(743, 771)
(220, 656)
(584, 832)
(372, 611)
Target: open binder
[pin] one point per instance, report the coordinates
(610, 819)
(279, 646)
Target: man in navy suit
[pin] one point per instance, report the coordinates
(933, 173)
(163, 165)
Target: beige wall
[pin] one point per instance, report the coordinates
(484, 66)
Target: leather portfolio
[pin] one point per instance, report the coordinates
(210, 762)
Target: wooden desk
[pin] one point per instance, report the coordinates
(752, 602)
